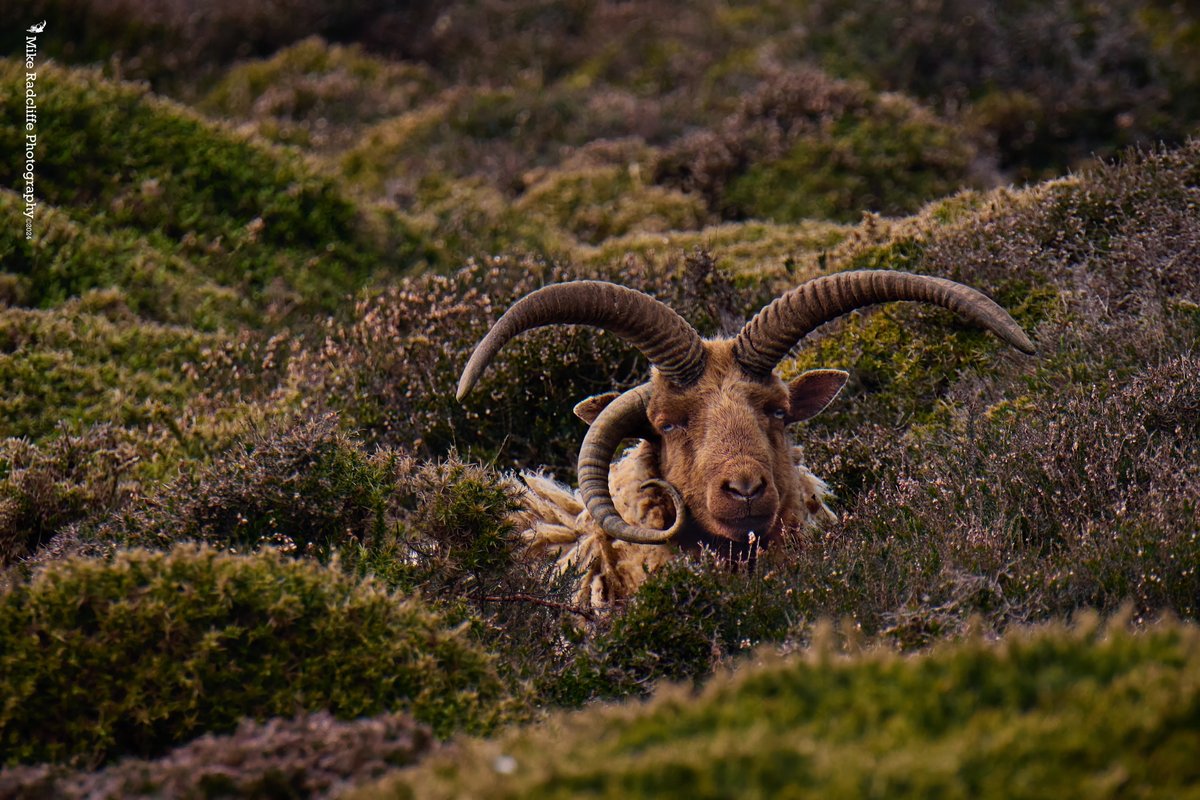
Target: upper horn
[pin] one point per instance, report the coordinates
(623, 417)
(651, 326)
(778, 327)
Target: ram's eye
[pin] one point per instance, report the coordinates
(668, 427)
(778, 413)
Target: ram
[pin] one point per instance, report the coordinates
(716, 467)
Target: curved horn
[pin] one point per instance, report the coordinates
(623, 417)
(651, 326)
(775, 330)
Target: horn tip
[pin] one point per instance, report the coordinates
(1023, 343)
(465, 383)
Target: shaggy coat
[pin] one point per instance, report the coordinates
(555, 522)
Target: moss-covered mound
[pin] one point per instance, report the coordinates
(129, 657)
(317, 95)
(1053, 712)
(91, 362)
(121, 161)
(601, 202)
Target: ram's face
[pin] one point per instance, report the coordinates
(725, 446)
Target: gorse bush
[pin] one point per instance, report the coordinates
(311, 755)
(70, 479)
(305, 488)
(129, 657)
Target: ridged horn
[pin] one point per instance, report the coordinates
(651, 326)
(777, 328)
(623, 417)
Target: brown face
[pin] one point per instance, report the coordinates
(725, 446)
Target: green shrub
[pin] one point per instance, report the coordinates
(497, 135)
(1052, 712)
(67, 258)
(890, 158)
(686, 620)
(454, 540)
(1051, 84)
(101, 659)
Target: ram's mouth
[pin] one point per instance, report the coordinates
(740, 529)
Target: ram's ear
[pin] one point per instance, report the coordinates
(812, 391)
(590, 408)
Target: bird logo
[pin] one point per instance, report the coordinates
(41, 26)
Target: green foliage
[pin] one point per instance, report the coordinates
(687, 619)
(101, 659)
(455, 540)
(500, 136)
(1052, 85)
(1052, 712)
(805, 145)
(68, 258)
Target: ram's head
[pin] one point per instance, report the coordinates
(714, 411)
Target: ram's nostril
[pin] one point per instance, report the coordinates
(745, 487)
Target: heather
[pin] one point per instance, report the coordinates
(251, 545)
